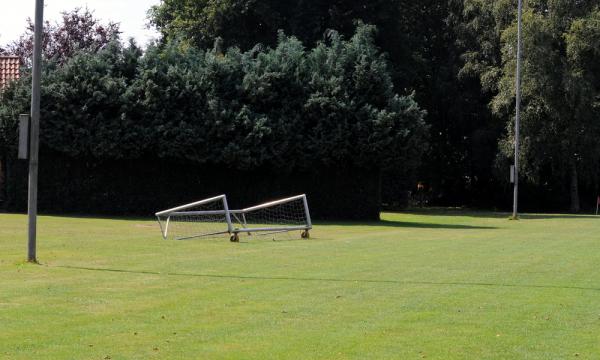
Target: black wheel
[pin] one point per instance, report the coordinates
(305, 234)
(234, 238)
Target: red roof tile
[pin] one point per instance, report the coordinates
(9, 70)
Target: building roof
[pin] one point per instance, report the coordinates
(9, 69)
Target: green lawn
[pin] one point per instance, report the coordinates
(435, 285)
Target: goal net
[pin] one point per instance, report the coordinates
(205, 218)
(212, 217)
(276, 216)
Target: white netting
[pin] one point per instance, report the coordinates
(276, 217)
(211, 217)
(199, 220)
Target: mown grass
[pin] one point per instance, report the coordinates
(435, 285)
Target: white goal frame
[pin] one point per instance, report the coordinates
(238, 215)
(180, 210)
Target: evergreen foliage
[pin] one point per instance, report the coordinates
(285, 108)
(261, 99)
(423, 40)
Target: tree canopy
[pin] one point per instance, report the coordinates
(77, 30)
(560, 87)
(347, 97)
(286, 106)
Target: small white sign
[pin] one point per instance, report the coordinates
(512, 174)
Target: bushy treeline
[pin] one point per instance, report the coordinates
(277, 111)
(560, 127)
(459, 58)
(263, 108)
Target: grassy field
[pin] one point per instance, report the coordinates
(435, 285)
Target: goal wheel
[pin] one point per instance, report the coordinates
(234, 238)
(305, 234)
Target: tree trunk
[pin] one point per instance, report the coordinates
(574, 188)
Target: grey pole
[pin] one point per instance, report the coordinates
(35, 130)
(515, 214)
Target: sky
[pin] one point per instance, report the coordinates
(131, 14)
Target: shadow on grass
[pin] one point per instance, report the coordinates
(458, 212)
(433, 211)
(389, 223)
(450, 211)
(365, 281)
(407, 224)
(556, 216)
(423, 225)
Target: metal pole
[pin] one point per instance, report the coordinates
(35, 130)
(515, 214)
(307, 213)
(227, 215)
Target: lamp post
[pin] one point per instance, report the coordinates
(34, 131)
(515, 214)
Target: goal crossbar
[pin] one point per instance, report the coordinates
(191, 205)
(196, 223)
(273, 203)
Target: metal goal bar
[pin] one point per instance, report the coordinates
(212, 216)
(165, 217)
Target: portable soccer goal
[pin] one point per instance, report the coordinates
(212, 218)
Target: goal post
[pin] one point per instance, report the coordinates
(206, 217)
(212, 217)
(282, 215)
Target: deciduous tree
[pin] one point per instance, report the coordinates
(77, 30)
(558, 133)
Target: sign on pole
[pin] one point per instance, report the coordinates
(23, 136)
(512, 174)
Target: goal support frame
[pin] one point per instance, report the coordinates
(246, 229)
(179, 210)
(229, 227)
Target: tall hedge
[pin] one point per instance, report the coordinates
(284, 118)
